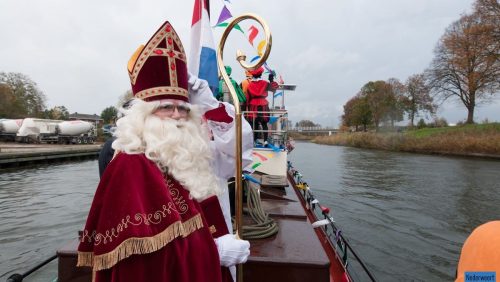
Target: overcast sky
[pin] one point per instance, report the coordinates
(77, 51)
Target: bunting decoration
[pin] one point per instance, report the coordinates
(281, 81)
(237, 26)
(250, 178)
(254, 59)
(260, 47)
(266, 160)
(253, 33)
(268, 68)
(261, 156)
(202, 59)
(224, 15)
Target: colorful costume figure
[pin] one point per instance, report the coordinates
(155, 216)
(224, 94)
(257, 101)
(244, 88)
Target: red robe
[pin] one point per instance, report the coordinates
(142, 226)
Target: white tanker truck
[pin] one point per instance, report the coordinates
(56, 131)
(9, 129)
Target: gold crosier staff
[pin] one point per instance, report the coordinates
(241, 59)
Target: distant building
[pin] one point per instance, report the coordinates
(95, 119)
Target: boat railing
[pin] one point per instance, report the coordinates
(277, 125)
(16, 277)
(334, 234)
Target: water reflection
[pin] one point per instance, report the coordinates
(407, 214)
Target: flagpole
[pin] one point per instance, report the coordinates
(240, 56)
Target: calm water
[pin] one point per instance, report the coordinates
(407, 215)
(41, 209)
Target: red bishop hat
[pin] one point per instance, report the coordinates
(158, 70)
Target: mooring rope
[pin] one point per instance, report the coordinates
(264, 225)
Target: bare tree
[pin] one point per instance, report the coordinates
(464, 65)
(418, 98)
(489, 13)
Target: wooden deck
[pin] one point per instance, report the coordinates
(295, 253)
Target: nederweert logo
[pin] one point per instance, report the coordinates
(480, 276)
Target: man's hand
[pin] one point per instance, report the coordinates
(200, 94)
(195, 84)
(231, 250)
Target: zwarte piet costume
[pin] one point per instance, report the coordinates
(257, 103)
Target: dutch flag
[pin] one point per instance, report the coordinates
(202, 57)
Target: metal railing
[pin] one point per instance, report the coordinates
(277, 125)
(16, 277)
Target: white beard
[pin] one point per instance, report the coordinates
(181, 147)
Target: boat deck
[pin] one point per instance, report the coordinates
(294, 254)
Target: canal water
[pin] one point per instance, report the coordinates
(407, 215)
(41, 209)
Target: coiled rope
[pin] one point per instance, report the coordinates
(264, 225)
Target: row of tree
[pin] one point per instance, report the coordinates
(388, 101)
(466, 66)
(20, 97)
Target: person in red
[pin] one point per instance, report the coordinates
(155, 215)
(257, 103)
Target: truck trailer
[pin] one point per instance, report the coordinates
(35, 130)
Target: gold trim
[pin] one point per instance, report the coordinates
(134, 245)
(140, 218)
(166, 53)
(156, 91)
(178, 42)
(164, 33)
(212, 229)
(180, 202)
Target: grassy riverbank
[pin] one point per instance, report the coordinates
(473, 140)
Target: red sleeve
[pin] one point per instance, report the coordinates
(219, 114)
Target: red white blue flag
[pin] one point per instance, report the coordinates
(202, 59)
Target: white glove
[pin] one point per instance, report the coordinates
(231, 250)
(200, 94)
